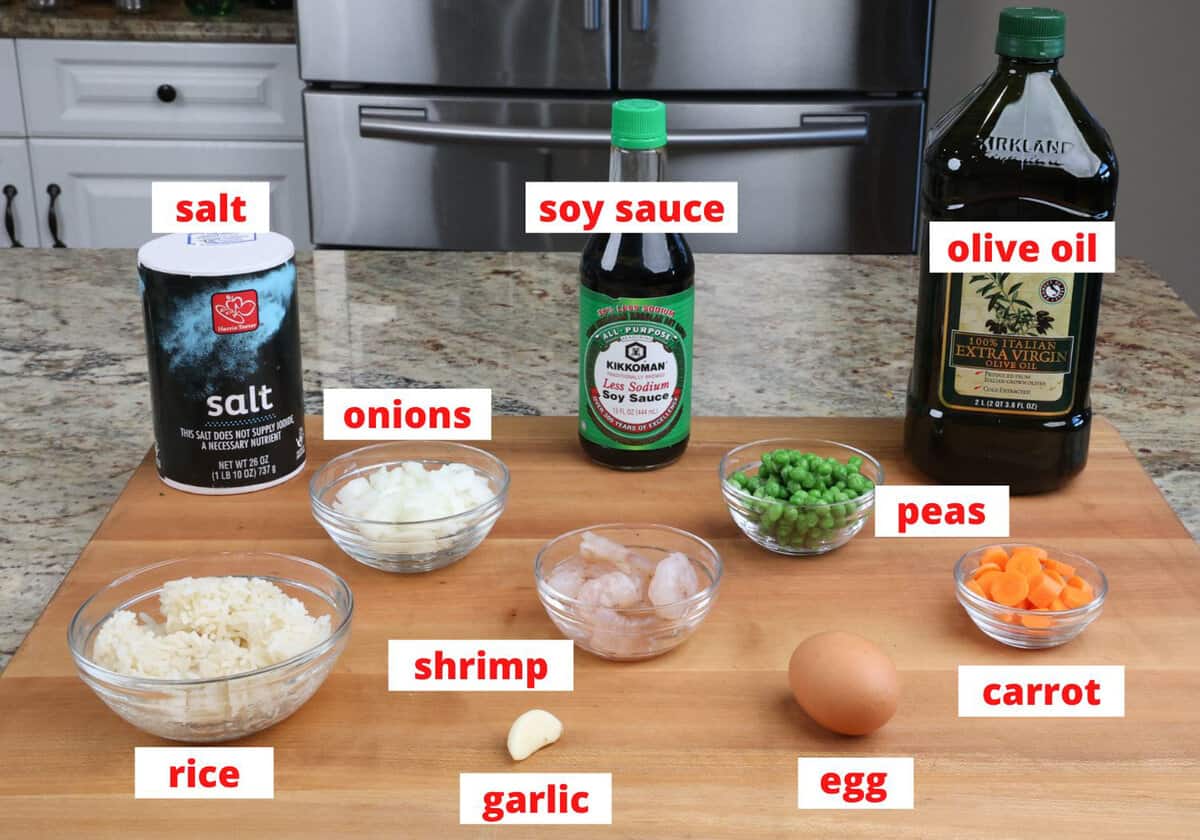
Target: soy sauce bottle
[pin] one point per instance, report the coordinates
(635, 318)
(1020, 147)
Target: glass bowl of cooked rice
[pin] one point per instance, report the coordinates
(212, 647)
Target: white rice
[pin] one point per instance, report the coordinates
(212, 627)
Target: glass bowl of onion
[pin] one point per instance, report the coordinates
(410, 506)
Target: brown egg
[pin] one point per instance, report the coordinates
(844, 682)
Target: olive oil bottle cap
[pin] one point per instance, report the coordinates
(1031, 32)
(639, 124)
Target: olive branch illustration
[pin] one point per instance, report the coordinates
(1014, 315)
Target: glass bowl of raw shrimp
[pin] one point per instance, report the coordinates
(627, 591)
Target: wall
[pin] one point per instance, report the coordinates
(1133, 64)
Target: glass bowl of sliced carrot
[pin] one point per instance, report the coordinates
(1029, 596)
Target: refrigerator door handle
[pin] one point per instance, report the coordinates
(409, 124)
(639, 15)
(591, 15)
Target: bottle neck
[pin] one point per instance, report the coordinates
(637, 164)
(1012, 66)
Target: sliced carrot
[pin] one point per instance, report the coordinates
(1037, 622)
(1064, 569)
(1043, 589)
(985, 581)
(1074, 597)
(1027, 605)
(1058, 604)
(1025, 563)
(976, 588)
(1054, 575)
(1039, 553)
(986, 567)
(1080, 583)
(996, 555)
(1009, 587)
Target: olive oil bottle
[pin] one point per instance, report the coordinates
(1020, 147)
(635, 318)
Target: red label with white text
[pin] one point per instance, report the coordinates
(235, 312)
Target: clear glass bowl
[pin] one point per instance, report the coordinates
(636, 633)
(220, 708)
(408, 547)
(1030, 629)
(815, 528)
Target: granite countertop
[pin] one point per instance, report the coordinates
(76, 415)
(166, 20)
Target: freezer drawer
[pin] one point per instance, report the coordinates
(561, 44)
(449, 172)
(797, 45)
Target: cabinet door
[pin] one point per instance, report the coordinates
(161, 90)
(103, 186)
(18, 220)
(12, 118)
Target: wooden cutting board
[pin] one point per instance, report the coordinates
(701, 742)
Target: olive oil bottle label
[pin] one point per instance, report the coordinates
(1011, 342)
(635, 369)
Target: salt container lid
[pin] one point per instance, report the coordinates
(216, 254)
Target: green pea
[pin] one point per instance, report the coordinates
(790, 514)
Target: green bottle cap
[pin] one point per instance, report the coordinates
(1031, 32)
(639, 124)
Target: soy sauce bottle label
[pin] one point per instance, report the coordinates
(635, 367)
(1011, 342)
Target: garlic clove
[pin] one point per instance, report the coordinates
(531, 731)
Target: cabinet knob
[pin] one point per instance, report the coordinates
(54, 191)
(166, 93)
(10, 224)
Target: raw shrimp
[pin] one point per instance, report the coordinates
(603, 551)
(674, 580)
(568, 576)
(617, 635)
(600, 549)
(613, 590)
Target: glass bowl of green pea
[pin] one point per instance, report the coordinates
(799, 496)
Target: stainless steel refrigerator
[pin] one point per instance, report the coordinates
(425, 118)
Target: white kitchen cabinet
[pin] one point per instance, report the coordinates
(103, 186)
(18, 213)
(184, 91)
(12, 118)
